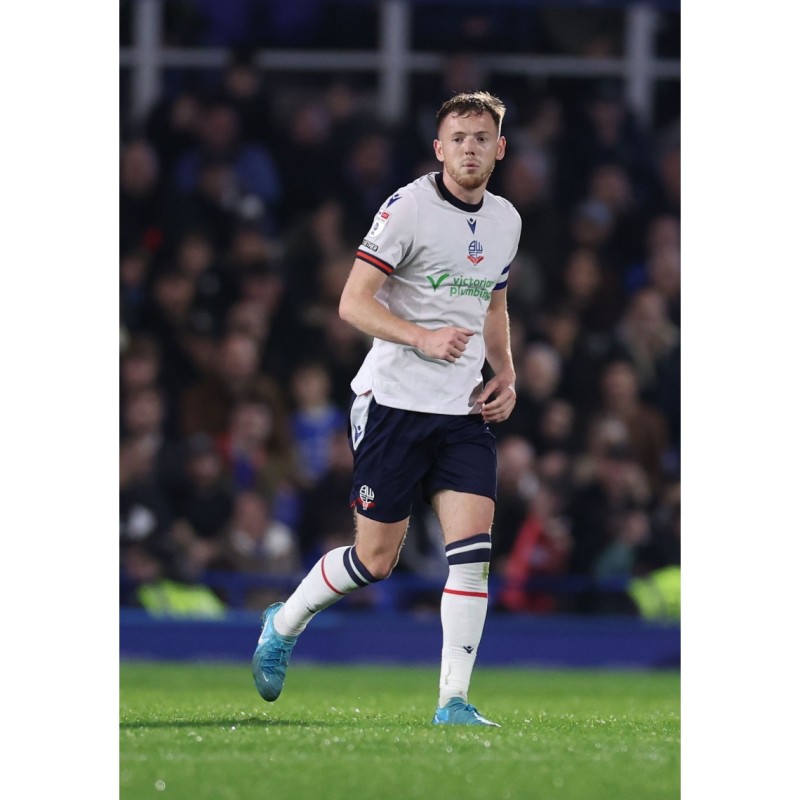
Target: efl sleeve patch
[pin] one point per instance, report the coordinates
(392, 233)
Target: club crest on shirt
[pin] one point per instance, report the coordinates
(475, 250)
(378, 224)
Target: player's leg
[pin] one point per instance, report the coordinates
(462, 487)
(385, 472)
(466, 521)
(338, 573)
(343, 570)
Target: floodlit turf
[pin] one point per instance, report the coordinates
(340, 733)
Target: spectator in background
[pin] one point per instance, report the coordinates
(134, 275)
(327, 519)
(538, 379)
(646, 426)
(244, 87)
(253, 178)
(663, 547)
(541, 548)
(560, 326)
(315, 419)
(202, 504)
(368, 176)
(617, 487)
(591, 225)
(140, 365)
(144, 510)
(196, 257)
(615, 565)
(207, 404)
(140, 197)
(143, 415)
(526, 184)
(248, 317)
(517, 484)
(662, 232)
(608, 133)
(258, 449)
(170, 317)
(306, 158)
(256, 543)
(313, 239)
(556, 430)
(610, 184)
(649, 339)
(541, 127)
(590, 291)
(342, 348)
(668, 165)
(664, 275)
(210, 204)
(172, 126)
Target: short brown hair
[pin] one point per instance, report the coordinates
(468, 103)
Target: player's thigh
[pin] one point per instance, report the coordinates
(378, 543)
(462, 514)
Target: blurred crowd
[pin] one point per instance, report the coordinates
(241, 207)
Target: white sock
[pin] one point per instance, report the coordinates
(335, 575)
(465, 600)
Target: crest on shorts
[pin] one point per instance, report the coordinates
(366, 497)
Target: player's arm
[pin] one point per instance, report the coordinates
(498, 396)
(359, 307)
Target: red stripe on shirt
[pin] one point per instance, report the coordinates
(375, 262)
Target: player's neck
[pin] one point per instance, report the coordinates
(471, 197)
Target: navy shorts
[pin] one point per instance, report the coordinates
(395, 450)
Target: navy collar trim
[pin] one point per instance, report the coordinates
(453, 200)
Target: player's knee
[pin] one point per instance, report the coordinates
(378, 563)
(380, 566)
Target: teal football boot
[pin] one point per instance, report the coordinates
(271, 657)
(457, 712)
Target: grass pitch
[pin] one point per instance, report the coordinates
(339, 733)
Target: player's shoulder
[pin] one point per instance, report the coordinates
(499, 204)
(496, 204)
(412, 192)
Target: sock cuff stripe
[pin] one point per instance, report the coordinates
(479, 538)
(479, 556)
(466, 594)
(355, 569)
(325, 577)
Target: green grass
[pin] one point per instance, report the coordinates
(338, 733)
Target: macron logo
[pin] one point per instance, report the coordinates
(473, 223)
(468, 648)
(393, 199)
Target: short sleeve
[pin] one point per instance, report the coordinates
(392, 233)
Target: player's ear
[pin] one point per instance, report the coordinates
(437, 149)
(501, 148)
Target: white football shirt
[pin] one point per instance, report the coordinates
(444, 258)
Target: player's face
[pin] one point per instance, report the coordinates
(469, 146)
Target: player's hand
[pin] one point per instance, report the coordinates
(447, 344)
(499, 398)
